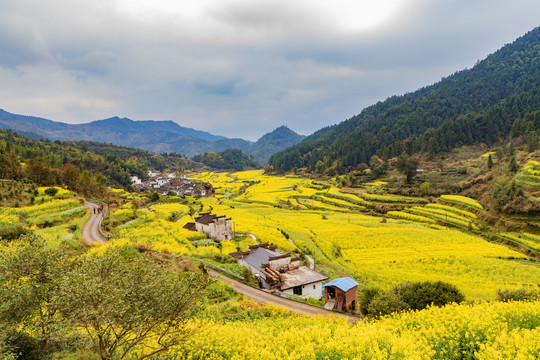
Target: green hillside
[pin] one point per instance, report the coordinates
(479, 105)
(85, 167)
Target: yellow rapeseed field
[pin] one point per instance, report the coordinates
(375, 253)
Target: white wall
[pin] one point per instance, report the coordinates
(309, 291)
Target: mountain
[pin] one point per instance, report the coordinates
(155, 136)
(478, 105)
(272, 142)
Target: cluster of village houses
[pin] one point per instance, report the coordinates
(273, 270)
(281, 272)
(171, 184)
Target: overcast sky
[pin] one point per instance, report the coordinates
(239, 68)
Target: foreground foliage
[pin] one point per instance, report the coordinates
(117, 299)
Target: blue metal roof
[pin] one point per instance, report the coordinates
(343, 283)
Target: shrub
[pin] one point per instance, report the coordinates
(366, 297)
(12, 231)
(408, 296)
(517, 295)
(386, 303)
(420, 295)
(51, 191)
(20, 346)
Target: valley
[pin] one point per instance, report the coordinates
(408, 231)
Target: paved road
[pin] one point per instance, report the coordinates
(266, 298)
(90, 233)
(90, 230)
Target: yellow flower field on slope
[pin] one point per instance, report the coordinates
(479, 331)
(376, 253)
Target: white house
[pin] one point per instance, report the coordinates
(215, 227)
(274, 270)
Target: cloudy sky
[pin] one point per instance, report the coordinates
(239, 68)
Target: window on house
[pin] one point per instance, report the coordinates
(314, 287)
(297, 290)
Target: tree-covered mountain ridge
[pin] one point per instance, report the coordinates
(155, 136)
(478, 105)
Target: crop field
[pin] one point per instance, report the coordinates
(530, 175)
(462, 200)
(428, 242)
(480, 331)
(58, 219)
(423, 242)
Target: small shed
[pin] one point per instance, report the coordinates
(341, 294)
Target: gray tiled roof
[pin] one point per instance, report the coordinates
(260, 256)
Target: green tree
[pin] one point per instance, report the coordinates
(407, 165)
(29, 274)
(51, 191)
(10, 168)
(490, 162)
(125, 301)
(512, 165)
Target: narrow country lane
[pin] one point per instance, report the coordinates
(90, 231)
(266, 298)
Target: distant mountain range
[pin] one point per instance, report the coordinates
(499, 97)
(155, 136)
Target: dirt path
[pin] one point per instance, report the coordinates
(266, 298)
(90, 230)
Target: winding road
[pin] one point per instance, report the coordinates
(90, 230)
(263, 297)
(91, 234)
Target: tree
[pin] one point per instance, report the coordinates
(512, 165)
(407, 165)
(29, 273)
(51, 191)
(490, 162)
(125, 301)
(377, 165)
(10, 168)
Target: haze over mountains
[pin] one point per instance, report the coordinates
(155, 136)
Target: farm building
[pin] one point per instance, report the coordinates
(215, 227)
(274, 270)
(341, 294)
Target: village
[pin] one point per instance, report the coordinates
(171, 184)
(282, 274)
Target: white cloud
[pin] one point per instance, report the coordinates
(238, 67)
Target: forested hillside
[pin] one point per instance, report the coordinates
(231, 159)
(85, 167)
(482, 104)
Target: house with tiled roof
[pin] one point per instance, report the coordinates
(215, 227)
(282, 272)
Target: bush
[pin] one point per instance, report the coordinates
(517, 295)
(51, 191)
(408, 296)
(386, 303)
(366, 297)
(12, 231)
(20, 346)
(420, 295)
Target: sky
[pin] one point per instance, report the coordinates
(239, 68)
